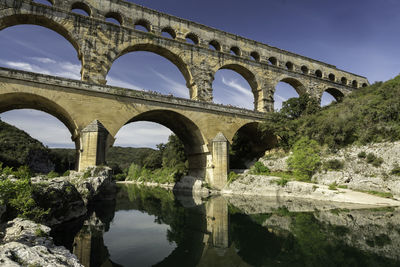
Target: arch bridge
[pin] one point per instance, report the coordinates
(94, 112)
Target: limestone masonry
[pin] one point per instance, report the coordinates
(94, 112)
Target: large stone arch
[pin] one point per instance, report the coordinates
(336, 93)
(248, 75)
(297, 84)
(8, 18)
(168, 54)
(187, 131)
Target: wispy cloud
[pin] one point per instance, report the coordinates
(44, 60)
(177, 89)
(281, 98)
(120, 83)
(234, 84)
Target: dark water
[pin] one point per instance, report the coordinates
(152, 227)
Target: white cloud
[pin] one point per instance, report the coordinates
(120, 83)
(178, 89)
(44, 60)
(281, 98)
(234, 84)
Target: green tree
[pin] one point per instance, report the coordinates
(305, 159)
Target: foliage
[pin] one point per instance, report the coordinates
(333, 186)
(379, 194)
(259, 169)
(281, 182)
(66, 173)
(333, 164)
(17, 194)
(395, 170)
(370, 114)
(52, 174)
(374, 160)
(305, 159)
(232, 176)
(362, 155)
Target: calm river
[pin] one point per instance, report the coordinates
(152, 227)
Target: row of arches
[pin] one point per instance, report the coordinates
(193, 38)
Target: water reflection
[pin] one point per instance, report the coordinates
(152, 227)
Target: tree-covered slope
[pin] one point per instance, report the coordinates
(370, 114)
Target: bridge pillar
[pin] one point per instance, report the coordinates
(201, 85)
(218, 222)
(264, 98)
(220, 159)
(93, 145)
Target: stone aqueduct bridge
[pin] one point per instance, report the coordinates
(94, 112)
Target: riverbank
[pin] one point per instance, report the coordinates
(28, 243)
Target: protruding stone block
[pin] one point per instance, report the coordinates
(220, 157)
(93, 145)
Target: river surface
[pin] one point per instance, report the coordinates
(153, 227)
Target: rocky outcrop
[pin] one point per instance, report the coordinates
(94, 184)
(191, 185)
(28, 244)
(58, 196)
(260, 185)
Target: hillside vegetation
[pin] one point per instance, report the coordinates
(370, 114)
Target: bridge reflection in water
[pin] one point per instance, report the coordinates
(239, 232)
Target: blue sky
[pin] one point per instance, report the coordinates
(358, 36)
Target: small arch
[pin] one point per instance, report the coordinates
(255, 55)
(318, 73)
(331, 77)
(289, 65)
(273, 61)
(215, 45)
(336, 93)
(236, 51)
(354, 84)
(364, 85)
(304, 69)
(44, 2)
(168, 32)
(192, 38)
(343, 80)
(145, 25)
(114, 17)
(81, 9)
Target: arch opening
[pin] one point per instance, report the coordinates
(145, 26)
(248, 145)
(255, 56)
(235, 85)
(343, 80)
(81, 9)
(152, 71)
(114, 17)
(168, 32)
(331, 95)
(41, 49)
(273, 61)
(185, 130)
(318, 73)
(304, 69)
(235, 51)
(44, 2)
(354, 84)
(192, 38)
(47, 122)
(214, 45)
(364, 85)
(331, 77)
(287, 88)
(289, 65)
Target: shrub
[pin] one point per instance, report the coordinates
(52, 174)
(333, 164)
(374, 160)
(370, 157)
(232, 176)
(87, 174)
(395, 170)
(259, 168)
(362, 155)
(333, 186)
(281, 182)
(119, 177)
(305, 159)
(66, 173)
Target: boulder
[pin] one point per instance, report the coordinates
(29, 244)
